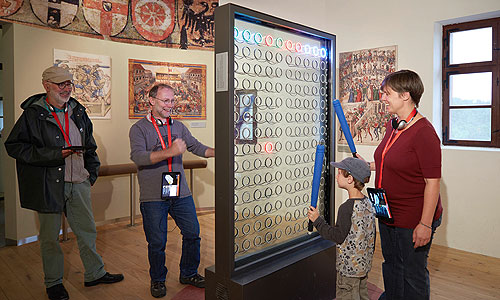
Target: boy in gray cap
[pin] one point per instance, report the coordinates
(56, 162)
(354, 231)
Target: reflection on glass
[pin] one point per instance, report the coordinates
(471, 124)
(471, 46)
(245, 122)
(280, 113)
(470, 89)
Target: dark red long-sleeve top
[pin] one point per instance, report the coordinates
(415, 155)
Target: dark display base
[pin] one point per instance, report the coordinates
(304, 274)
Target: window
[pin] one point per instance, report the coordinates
(471, 92)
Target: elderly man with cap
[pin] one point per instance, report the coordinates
(56, 164)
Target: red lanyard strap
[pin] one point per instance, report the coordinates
(388, 145)
(391, 142)
(64, 131)
(169, 160)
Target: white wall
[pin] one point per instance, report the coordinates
(471, 176)
(33, 52)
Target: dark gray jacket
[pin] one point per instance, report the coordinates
(36, 143)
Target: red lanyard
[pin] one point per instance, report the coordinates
(153, 120)
(64, 131)
(391, 142)
(388, 145)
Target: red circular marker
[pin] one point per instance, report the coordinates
(269, 40)
(298, 47)
(268, 147)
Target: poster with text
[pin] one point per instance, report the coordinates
(360, 75)
(92, 80)
(187, 80)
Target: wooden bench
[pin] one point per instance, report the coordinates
(131, 170)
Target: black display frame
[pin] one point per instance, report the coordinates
(248, 277)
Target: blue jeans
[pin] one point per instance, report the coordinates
(154, 220)
(404, 268)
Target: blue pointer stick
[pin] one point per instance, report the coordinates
(344, 126)
(318, 168)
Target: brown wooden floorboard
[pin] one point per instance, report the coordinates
(455, 274)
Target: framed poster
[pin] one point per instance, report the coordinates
(92, 79)
(188, 81)
(360, 75)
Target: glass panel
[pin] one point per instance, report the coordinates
(280, 116)
(471, 46)
(470, 89)
(472, 124)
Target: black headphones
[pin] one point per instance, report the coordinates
(160, 123)
(53, 109)
(400, 124)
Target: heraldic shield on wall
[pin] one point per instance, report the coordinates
(153, 19)
(9, 7)
(108, 18)
(55, 13)
(184, 24)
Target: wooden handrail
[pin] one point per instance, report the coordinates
(123, 169)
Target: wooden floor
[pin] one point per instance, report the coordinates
(454, 274)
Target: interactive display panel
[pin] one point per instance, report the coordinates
(281, 112)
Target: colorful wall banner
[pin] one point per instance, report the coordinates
(185, 24)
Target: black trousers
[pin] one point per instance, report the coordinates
(404, 268)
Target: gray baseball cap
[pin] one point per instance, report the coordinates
(56, 74)
(358, 168)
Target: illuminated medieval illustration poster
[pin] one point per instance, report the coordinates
(188, 81)
(360, 75)
(92, 79)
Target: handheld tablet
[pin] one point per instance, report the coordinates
(75, 148)
(379, 200)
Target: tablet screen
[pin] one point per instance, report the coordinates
(379, 200)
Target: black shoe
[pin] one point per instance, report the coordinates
(196, 280)
(107, 278)
(158, 289)
(57, 292)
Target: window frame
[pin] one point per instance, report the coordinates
(492, 66)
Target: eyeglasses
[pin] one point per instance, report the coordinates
(63, 85)
(165, 101)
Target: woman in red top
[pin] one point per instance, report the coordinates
(408, 168)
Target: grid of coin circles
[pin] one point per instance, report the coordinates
(283, 95)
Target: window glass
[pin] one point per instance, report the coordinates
(472, 124)
(470, 89)
(471, 46)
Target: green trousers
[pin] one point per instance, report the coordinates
(352, 288)
(78, 210)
